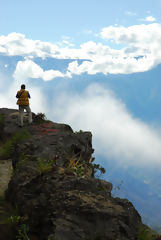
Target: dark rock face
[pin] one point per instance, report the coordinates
(53, 187)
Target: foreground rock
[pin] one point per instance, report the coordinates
(54, 188)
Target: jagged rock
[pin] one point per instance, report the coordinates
(70, 207)
(54, 189)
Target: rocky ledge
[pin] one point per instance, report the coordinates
(53, 184)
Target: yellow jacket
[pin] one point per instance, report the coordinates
(23, 97)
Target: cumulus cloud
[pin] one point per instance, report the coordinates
(135, 34)
(140, 52)
(116, 133)
(112, 65)
(29, 69)
(17, 44)
(148, 19)
(145, 40)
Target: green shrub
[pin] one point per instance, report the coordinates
(78, 170)
(23, 232)
(15, 219)
(96, 168)
(20, 136)
(7, 149)
(145, 233)
(45, 165)
(40, 118)
(76, 166)
(22, 157)
(22, 161)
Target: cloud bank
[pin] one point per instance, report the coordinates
(116, 133)
(133, 49)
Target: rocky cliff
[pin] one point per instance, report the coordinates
(53, 185)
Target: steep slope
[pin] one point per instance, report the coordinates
(54, 188)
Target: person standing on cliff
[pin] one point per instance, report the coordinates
(23, 102)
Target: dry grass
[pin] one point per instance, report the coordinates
(5, 175)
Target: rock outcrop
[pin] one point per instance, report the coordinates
(54, 188)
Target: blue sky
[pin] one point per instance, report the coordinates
(79, 20)
(95, 65)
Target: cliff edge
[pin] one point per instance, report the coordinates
(53, 184)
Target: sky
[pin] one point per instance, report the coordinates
(57, 20)
(94, 65)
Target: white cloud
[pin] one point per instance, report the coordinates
(6, 100)
(111, 65)
(142, 40)
(140, 52)
(116, 133)
(38, 101)
(66, 42)
(148, 19)
(29, 69)
(135, 34)
(17, 44)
